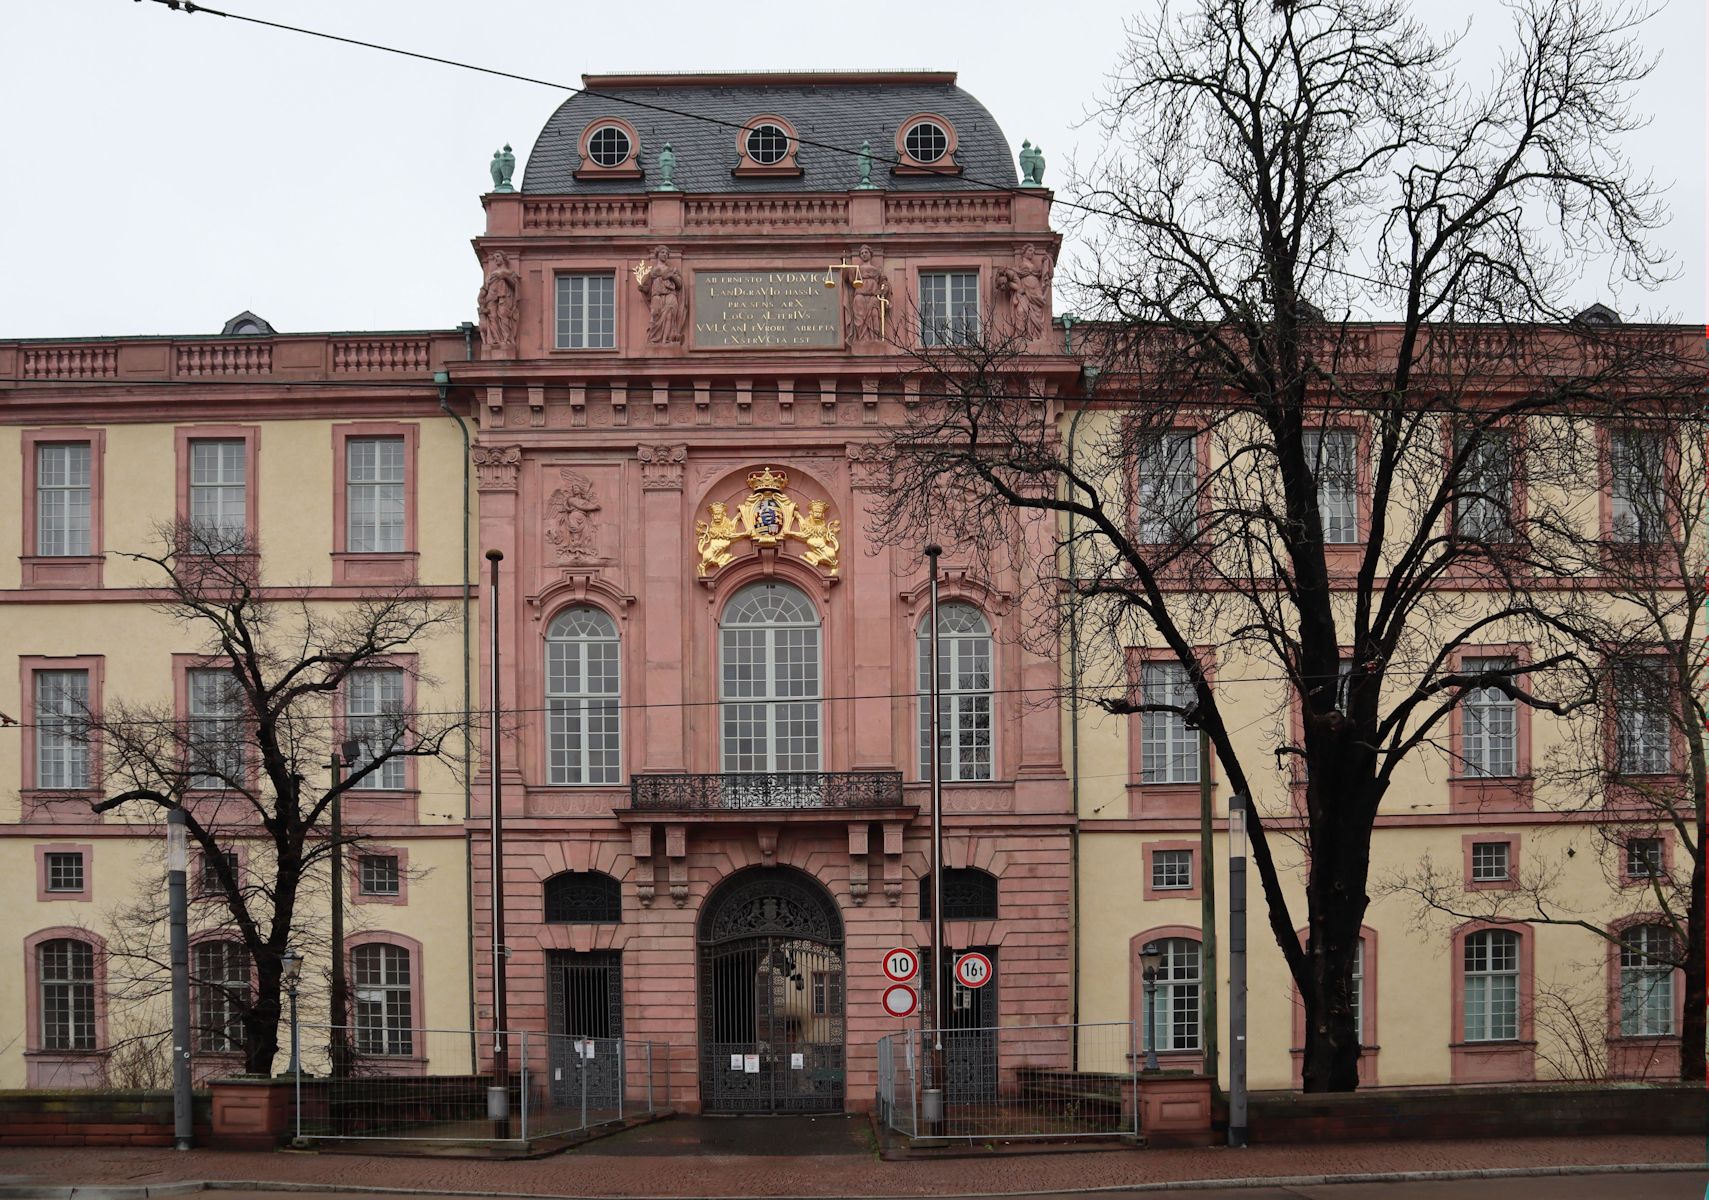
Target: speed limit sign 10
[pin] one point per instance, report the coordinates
(901, 965)
(973, 970)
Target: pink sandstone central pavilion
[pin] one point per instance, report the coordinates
(716, 810)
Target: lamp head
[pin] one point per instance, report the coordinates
(351, 751)
(290, 967)
(1190, 714)
(1151, 956)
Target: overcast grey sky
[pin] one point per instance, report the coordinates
(164, 172)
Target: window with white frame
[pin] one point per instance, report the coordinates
(1490, 862)
(964, 694)
(587, 311)
(949, 308)
(1646, 981)
(582, 697)
(1171, 870)
(1175, 1020)
(374, 717)
(384, 1005)
(65, 975)
(1484, 491)
(208, 881)
(1643, 724)
(1169, 751)
(222, 995)
(1166, 479)
(769, 680)
(1491, 964)
(374, 495)
(1643, 858)
(62, 733)
(64, 492)
(1489, 723)
(1357, 993)
(378, 875)
(216, 749)
(64, 870)
(219, 487)
(1333, 456)
(1637, 466)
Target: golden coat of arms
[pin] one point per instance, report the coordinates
(767, 518)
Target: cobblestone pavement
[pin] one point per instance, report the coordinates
(589, 1173)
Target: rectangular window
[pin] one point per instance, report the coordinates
(65, 971)
(1169, 751)
(208, 876)
(64, 872)
(219, 492)
(63, 499)
(215, 735)
(1167, 484)
(1647, 954)
(62, 734)
(1492, 986)
(384, 1003)
(1490, 724)
(1643, 725)
(1483, 500)
(374, 716)
(587, 312)
(827, 993)
(1358, 992)
(1637, 465)
(1333, 455)
(949, 308)
(374, 495)
(1171, 869)
(1643, 858)
(1490, 862)
(1175, 1020)
(222, 995)
(379, 875)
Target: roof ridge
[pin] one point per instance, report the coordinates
(860, 77)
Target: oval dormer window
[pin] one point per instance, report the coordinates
(926, 141)
(768, 144)
(609, 146)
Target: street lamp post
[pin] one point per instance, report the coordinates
(1237, 970)
(290, 971)
(177, 873)
(342, 760)
(498, 1095)
(933, 1099)
(1194, 719)
(1150, 955)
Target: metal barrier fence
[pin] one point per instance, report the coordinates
(1033, 1081)
(432, 1085)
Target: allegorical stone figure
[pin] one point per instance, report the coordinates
(1027, 284)
(869, 303)
(573, 529)
(497, 304)
(667, 302)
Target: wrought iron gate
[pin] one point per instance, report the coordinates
(771, 996)
(970, 1033)
(584, 1001)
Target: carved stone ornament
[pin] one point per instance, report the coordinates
(497, 302)
(661, 282)
(572, 528)
(869, 298)
(869, 466)
(661, 467)
(496, 467)
(767, 518)
(1027, 285)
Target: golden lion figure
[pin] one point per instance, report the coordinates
(715, 537)
(820, 536)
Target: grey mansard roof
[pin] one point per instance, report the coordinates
(835, 108)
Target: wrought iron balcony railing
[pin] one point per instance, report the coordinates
(781, 790)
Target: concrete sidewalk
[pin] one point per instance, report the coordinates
(852, 1172)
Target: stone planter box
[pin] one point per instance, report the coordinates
(252, 1113)
(1175, 1108)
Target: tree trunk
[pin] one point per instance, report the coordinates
(1331, 1062)
(261, 1030)
(1691, 1030)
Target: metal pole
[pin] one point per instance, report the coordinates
(1237, 970)
(1151, 1018)
(177, 870)
(940, 952)
(498, 1095)
(1208, 974)
(296, 1046)
(338, 1010)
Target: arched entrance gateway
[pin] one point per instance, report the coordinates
(771, 995)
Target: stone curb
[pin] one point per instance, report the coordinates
(29, 1192)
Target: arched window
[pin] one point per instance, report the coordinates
(222, 994)
(583, 898)
(1175, 1019)
(1492, 986)
(384, 1001)
(969, 895)
(582, 744)
(964, 694)
(1647, 953)
(769, 680)
(65, 973)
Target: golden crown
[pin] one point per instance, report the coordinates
(768, 480)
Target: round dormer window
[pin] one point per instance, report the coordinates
(768, 144)
(609, 146)
(926, 141)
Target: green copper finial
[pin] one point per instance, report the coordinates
(504, 162)
(667, 168)
(863, 161)
(1032, 165)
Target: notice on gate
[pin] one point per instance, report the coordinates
(751, 1064)
(735, 1062)
(797, 1062)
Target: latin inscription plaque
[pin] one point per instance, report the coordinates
(792, 309)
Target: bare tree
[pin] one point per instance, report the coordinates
(247, 763)
(1274, 172)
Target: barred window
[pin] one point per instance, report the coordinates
(216, 749)
(582, 696)
(1490, 862)
(1489, 724)
(1492, 986)
(1171, 869)
(964, 694)
(1333, 456)
(1169, 751)
(1166, 488)
(63, 498)
(62, 732)
(378, 875)
(1646, 981)
(384, 1016)
(64, 871)
(1483, 501)
(1643, 857)
(970, 894)
(1175, 1020)
(1643, 722)
(219, 484)
(374, 716)
(65, 973)
(222, 996)
(587, 311)
(771, 709)
(374, 495)
(949, 308)
(1637, 466)
(583, 898)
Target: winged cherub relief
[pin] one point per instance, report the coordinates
(572, 527)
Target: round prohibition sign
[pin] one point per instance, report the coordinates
(900, 1000)
(973, 970)
(901, 965)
